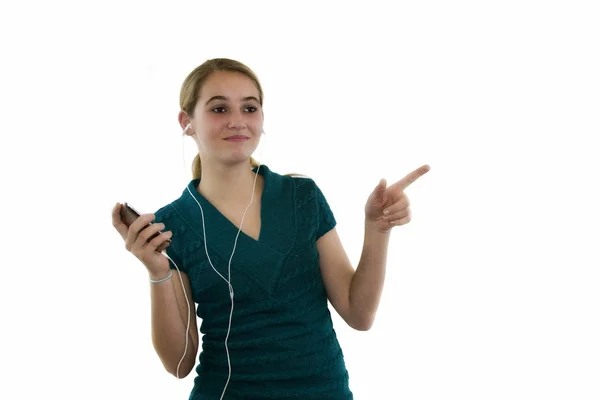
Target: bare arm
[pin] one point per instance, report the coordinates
(170, 315)
(170, 311)
(367, 283)
(355, 295)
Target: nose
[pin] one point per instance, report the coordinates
(236, 120)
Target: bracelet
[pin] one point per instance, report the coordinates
(163, 279)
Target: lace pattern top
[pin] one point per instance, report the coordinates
(282, 344)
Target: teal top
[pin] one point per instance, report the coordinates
(282, 344)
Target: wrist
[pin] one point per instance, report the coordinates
(374, 228)
(159, 275)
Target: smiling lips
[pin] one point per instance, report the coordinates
(236, 138)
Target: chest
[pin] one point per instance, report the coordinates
(273, 256)
(250, 223)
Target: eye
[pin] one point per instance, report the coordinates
(218, 109)
(251, 109)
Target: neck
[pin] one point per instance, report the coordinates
(228, 184)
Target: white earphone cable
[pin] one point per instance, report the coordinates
(187, 330)
(228, 280)
(231, 292)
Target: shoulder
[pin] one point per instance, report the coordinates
(164, 213)
(304, 188)
(167, 214)
(308, 190)
(283, 185)
(312, 205)
(173, 215)
(174, 211)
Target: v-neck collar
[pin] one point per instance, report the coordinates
(214, 218)
(260, 260)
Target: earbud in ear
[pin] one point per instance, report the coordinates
(187, 127)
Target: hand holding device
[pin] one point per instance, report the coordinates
(130, 214)
(143, 238)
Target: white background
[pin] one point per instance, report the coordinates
(492, 289)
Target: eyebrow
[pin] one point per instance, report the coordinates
(226, 99)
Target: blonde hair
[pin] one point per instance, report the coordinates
(190, 92)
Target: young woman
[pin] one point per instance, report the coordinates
(259, 255)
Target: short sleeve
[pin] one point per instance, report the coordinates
(165, 216)
(326, 219)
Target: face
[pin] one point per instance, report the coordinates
(228, 118)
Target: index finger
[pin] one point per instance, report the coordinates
(413, 176)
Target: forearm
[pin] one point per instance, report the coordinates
(169, 325)
(368, 280)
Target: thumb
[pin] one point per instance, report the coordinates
(380, 188)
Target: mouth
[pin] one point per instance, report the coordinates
(236, 138)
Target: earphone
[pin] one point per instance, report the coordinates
(228, 280)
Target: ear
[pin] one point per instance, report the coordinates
(185, 123)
